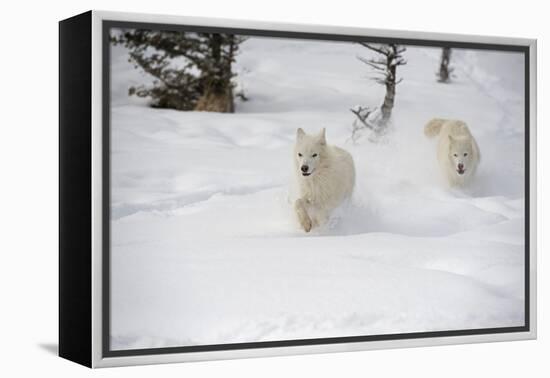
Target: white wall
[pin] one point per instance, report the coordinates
(28, 137)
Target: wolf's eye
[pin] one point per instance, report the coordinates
(299, 154)
(314, 155)
(455, 155)
(465, 154)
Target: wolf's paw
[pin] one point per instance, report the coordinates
(306, 224)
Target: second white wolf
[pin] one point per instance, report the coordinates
(325, 176)
(457, 150)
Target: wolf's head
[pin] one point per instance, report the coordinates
(309, 152)
(460, 154)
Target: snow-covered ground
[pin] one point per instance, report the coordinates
(205, 248)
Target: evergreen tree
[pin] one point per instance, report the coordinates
(192, 71)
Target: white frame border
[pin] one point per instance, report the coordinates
(97, 358)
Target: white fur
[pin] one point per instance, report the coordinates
(329, 179)
(457, 150)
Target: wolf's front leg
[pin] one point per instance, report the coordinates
(320, 217)
(303, 216)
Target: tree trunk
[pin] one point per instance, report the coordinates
(218, 89)
(214, 101)
(444, 72)
(389, 98)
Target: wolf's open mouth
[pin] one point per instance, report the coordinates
(306, 173)
(460, 171)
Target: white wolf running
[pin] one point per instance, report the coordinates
(325, 176)
(457, 150)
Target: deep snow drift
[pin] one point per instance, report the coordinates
(205, 249)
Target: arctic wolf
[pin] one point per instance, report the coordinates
(325, 176)
(457, 150)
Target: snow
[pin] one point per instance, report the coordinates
(205, 248)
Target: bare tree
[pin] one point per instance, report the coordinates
(444, 74)
(362, 122)
(385, 64)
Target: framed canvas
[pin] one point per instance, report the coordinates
(238, 189)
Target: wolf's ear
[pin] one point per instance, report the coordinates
(322, 136)
(300, 133)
